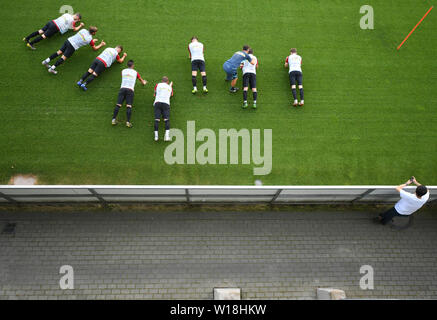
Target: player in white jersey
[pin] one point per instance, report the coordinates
(294, 64)
(61, 24)
(71, 45)
(100, 64)
(196, 51)
(249, 78)
(163, 93)
(128, 79)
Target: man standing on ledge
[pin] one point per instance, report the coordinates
(231, 66)
(409, 202)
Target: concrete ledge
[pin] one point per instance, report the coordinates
(227, 294)
(330, 294)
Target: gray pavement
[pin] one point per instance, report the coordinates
(182, 255)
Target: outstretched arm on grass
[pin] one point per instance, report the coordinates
(95, 48)
(75, 29)
(121, 60)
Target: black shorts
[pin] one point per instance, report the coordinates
(125, 94)
(249, 79)
(198, 65)
(97, 66)
(67, 49)
(162, 109)
(50, 29)
(295, 76)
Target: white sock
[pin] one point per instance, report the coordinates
(204, 87)
(47, 60)
(194, 88)
(53, 67)
(156, 134)
(167, 133)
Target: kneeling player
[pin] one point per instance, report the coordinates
(163, 93)
(249, 78)
(61, 24)
(128, 80)
(196, 49)
(71, 45)
(100, 64)
(294, 62)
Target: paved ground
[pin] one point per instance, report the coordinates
(278, 255)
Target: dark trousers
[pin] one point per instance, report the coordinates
(388, 215)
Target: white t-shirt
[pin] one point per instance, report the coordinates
(409, 203)
(64, 22)
(129, 78)
(163, 92)
(196, 51)
(294, 62)
(80, 39)
(108, 56)
(248, 67)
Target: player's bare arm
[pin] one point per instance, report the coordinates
(78, 27)
(97, 47)
(144, 82)
(121, 60)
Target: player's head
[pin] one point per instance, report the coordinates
(193, 39)
(246, 48)
(130, 64)
(165, 79)
(119, 48)
(421, 190)
(293, 50)
(250, 51)
(77, 17)
(93, 30)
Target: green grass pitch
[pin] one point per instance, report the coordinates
(369, 116)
